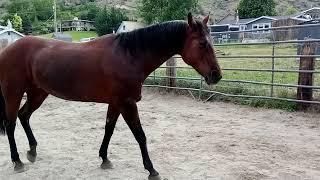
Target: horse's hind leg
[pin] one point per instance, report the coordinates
(35, 98)
(12, 103)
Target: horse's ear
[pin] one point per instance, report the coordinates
(205, 20)
(191, 21)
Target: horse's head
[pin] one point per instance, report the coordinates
(198, 50)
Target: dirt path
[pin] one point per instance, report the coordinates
(187, 140)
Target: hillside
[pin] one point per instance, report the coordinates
(218, 8)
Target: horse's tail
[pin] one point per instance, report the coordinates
(2, 114)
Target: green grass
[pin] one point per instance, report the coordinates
(76, 35)
(249, 89)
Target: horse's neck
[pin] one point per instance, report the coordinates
(152, 62)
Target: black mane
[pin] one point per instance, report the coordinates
(167, 37)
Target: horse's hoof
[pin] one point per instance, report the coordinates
(106, 165)
(31, 157)
(19, 167)
(158, 177)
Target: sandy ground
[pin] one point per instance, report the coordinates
(186, 139)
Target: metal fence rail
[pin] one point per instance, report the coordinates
(269, 83)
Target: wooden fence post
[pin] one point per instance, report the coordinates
(171, 72)
(306, 79)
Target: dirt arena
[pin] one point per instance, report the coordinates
(186, 139)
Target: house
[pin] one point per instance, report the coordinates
(8, 35)
(76, 25)
(234, 23)
(127, 26)
(264, 22)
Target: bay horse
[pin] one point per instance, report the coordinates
(110, 69)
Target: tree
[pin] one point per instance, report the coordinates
(26, 25)
(256, 8)
(5, 19)
(153, 11)
(43, 9)
(89, 11)
(17, 22)
(291, 10)
(21, 7)
(93, 10)
(108, 20)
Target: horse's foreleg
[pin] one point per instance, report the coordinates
(130, 114)
(111, 120)
(34, 100)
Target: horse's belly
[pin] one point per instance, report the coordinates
(78, 91)
(73, 84)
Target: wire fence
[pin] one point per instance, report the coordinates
(270, 70)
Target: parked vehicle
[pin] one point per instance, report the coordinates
(87, 39)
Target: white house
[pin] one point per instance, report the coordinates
(76, 25)
(127, 26)
(8, 35)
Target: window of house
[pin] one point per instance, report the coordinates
(243, 27)
(261, 26)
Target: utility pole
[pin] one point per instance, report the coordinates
(55, 16)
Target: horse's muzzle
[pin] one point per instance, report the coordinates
(213, 78)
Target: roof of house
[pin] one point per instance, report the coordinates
(131, 25)
(243, 21)
(10, 30)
